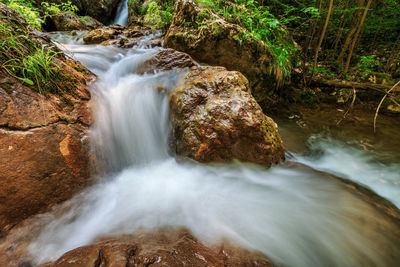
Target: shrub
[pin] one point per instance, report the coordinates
(159, 15)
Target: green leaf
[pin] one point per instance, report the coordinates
(26, 80)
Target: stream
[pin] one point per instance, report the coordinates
(294, 213)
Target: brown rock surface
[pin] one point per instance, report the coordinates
(167, 59)
(113, 35)
(215, 118)
(163, 248)
(70, 22)
(100, 35)
(44, 151)
(44, 154)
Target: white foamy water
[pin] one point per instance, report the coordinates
(293, 214)
(357, 165)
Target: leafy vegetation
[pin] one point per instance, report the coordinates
(159, 14)
(33, 15)
(154, 13)
(360, 39)
(53, 8)
(357, 29)
(262, 25)
(367, 65)
(27, 10)
(347, 41)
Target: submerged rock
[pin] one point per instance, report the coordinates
(162, 248)
(44, 154)
(165, 60)
(215, 118)
(211, 39)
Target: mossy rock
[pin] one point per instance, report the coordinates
(210, 39)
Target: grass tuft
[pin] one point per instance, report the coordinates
(26, 61)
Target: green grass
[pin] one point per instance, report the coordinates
(31, 62)
(23, 59)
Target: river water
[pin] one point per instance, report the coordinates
(294, 213)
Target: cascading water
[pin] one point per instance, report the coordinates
(293, 214)
(121, 17)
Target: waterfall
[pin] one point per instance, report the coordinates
(121, 17)
(293, 214)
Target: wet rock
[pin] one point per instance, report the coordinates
(44, 152)
(215, 118)
(163, 248)
(167, 59)
(115, 35)
(131, 42)
(102, 10)
(210, 39)
(100, 35)
(71, 22)
(156, 42)
(123, 42)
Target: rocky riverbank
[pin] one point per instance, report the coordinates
(216, 114)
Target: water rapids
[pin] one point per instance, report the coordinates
(294, 214)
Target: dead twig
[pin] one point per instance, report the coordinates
(380, 104)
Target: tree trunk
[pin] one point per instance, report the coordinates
(347, 42)
(311, 31)
(321, 39)
(310, 37)
(356, 36)
(341, 27)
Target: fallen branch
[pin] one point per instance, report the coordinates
(380, 104)
(384, 89)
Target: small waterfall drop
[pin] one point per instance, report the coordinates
(121, 17)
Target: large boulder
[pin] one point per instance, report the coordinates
(162, 248)
(210, 39)
(71, 22)
(43, 146)
(102, 10)
(115, 33)
(215, 118)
